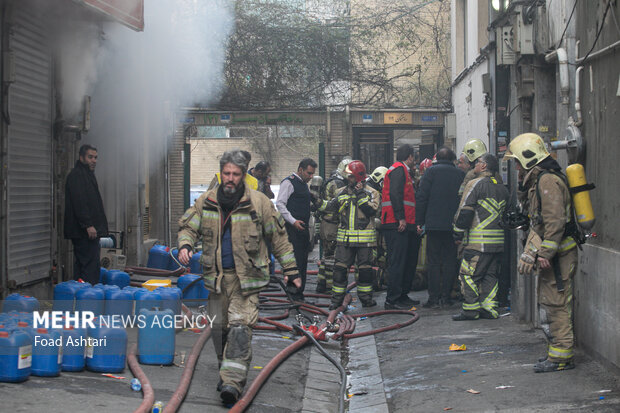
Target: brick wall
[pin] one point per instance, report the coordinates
(206, 153)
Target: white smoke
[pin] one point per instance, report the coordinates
(178, 58)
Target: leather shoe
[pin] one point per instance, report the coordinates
(229, 394)
(432, 304)
(408, 301)
(462, 317)
(370, 303)
(395, 306)
(219, 385)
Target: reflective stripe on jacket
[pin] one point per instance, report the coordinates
(555, 211)
(253, 222)
(356, 227)
(479, 214)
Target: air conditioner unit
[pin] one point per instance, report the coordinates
(113, 259)
(505, 45)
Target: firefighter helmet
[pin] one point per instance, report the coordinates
(474, 149)
(356, 169)
(528, 148)
(378, 174)
(425, 164)
(343, 164)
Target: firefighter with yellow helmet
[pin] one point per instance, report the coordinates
(329, 226)
(473, 149)
(375, 181)
(550, 248)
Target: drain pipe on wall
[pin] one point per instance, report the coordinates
(578, 97)
(562, 57)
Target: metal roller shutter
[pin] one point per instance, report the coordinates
(30, 152)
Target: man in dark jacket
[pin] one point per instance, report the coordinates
(85, 220)
(436, 204)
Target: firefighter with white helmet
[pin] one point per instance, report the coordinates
(356, 205)
(550, 248)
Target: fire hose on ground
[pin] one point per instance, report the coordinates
(345, 328)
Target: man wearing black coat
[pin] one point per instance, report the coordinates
(436, 203)
(85, 220)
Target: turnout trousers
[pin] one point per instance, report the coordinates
(328, 232)
(478, 274)
(235, 315)
(555, 307)
(345, 257)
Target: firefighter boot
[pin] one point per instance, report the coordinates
(547, 366)
(321, 283)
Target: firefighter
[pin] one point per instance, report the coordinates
(234, 223)
(473, 149)
(375, 181)
(550, 246)
(477, 227)
(329, 227)
(357, 206)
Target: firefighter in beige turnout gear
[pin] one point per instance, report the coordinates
(234, 222)
(477, 226)
(357, 206)
(550, 246)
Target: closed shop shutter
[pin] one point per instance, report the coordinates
(29, 203)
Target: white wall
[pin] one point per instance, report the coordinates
(471, 114)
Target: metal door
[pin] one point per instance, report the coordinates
(374, 147)
(29, 186)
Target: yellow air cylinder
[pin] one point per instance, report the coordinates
(581, 200)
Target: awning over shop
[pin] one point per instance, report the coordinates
(128, 12)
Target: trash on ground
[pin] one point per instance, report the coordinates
(463, 371)
(472, 391)
(112, 376)
(258, 367)
(504, 315)
(503, 387)
(447, 408)
(456, 347)
(604, 391)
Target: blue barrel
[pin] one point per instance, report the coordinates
(196, 291)
(64, 295)
(170, 298)
(117, 277)
(119, 302)
(194, 263)
(46, 352)
(18, 302)
(158, 257)
(73, 346)
(15, 356)
(156, 338)
(102, 274)
(147, 299)
(90, 299)
(110, 353)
